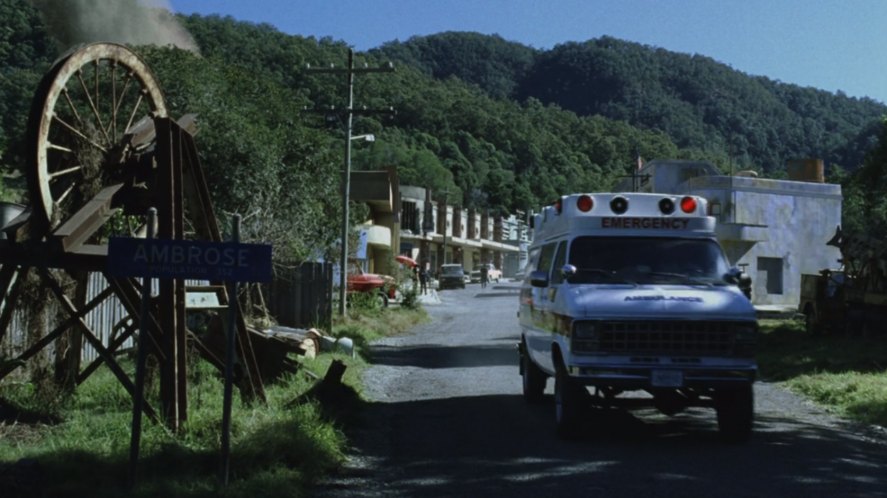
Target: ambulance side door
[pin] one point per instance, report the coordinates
(539, 338)
(559, 321)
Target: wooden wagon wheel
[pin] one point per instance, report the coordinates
(82, 111)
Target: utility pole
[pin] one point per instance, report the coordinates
(349, 113)
(446, 194)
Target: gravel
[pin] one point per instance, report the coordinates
(445, 418)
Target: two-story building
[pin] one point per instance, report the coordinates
(407, 220)
(434, 232)
(776, 230)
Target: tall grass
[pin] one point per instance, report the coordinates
(845, 374)
(274, 444)
(78, 445)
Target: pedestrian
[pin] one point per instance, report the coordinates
(423, 279)
(484, 275)
(414, 276)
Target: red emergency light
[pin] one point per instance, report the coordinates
(688, 205)
(585, 203)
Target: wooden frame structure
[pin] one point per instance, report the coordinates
(151, 162)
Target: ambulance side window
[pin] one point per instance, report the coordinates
(560, 258)
(532, 259)
(545, 259)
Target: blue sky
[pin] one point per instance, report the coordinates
(828, 44)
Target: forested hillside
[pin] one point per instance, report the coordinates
(699, 103)
(499, 125)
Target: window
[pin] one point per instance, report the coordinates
(647, 260)
(770, 273)
(532, 259)
(557, 275)
(545, 258)
(410, 217)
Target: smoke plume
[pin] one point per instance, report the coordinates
(134, 22)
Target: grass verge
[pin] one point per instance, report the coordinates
(78, 445)
(846, 375)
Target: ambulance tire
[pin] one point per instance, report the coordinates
(735, 407)
(567, 405)
(534, 380)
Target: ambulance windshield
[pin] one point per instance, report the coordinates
(647, 260)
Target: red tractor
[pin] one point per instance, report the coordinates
(383, 287)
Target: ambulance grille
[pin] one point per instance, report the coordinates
(664, 337)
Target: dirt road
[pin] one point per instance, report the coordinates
(446, 418)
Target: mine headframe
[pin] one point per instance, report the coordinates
(102, 150)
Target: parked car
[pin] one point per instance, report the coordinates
(452, 276)
(474, 277)
(493, 274)
(383, 286)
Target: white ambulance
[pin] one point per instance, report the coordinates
(631, 292)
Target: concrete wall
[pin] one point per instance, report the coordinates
(770, 226)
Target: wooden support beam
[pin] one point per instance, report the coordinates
(10, 297)
(86, 221)
(92, 339)
(130, 298)
(197, 193)
(112, 349)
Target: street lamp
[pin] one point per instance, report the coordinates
(346, 195)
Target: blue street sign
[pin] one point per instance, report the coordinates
(157, 258)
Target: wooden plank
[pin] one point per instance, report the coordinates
(7, 297)
(129, 297)
(75, 315)
(112, 348)
(85, 222)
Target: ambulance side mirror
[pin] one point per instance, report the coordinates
(739, 278)
(568, 271)
(539, 278)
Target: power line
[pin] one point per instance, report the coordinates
(349, 71)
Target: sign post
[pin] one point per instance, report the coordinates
(229, 366)
(138, 403)
(149, 258)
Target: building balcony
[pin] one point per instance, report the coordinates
(378, 235)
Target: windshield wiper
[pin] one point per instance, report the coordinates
(609, 274)
(683, 277)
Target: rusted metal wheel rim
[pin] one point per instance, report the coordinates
(83, 108)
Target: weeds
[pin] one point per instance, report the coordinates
(78, 444)
(846, 375)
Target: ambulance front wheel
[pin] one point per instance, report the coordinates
(533, 377)
(567, 405)
(735, 407)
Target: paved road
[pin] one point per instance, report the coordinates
(446, 418)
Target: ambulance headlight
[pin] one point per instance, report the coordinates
(585, 330)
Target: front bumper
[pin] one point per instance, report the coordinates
(631, 377)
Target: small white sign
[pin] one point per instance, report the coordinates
(361, 251)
